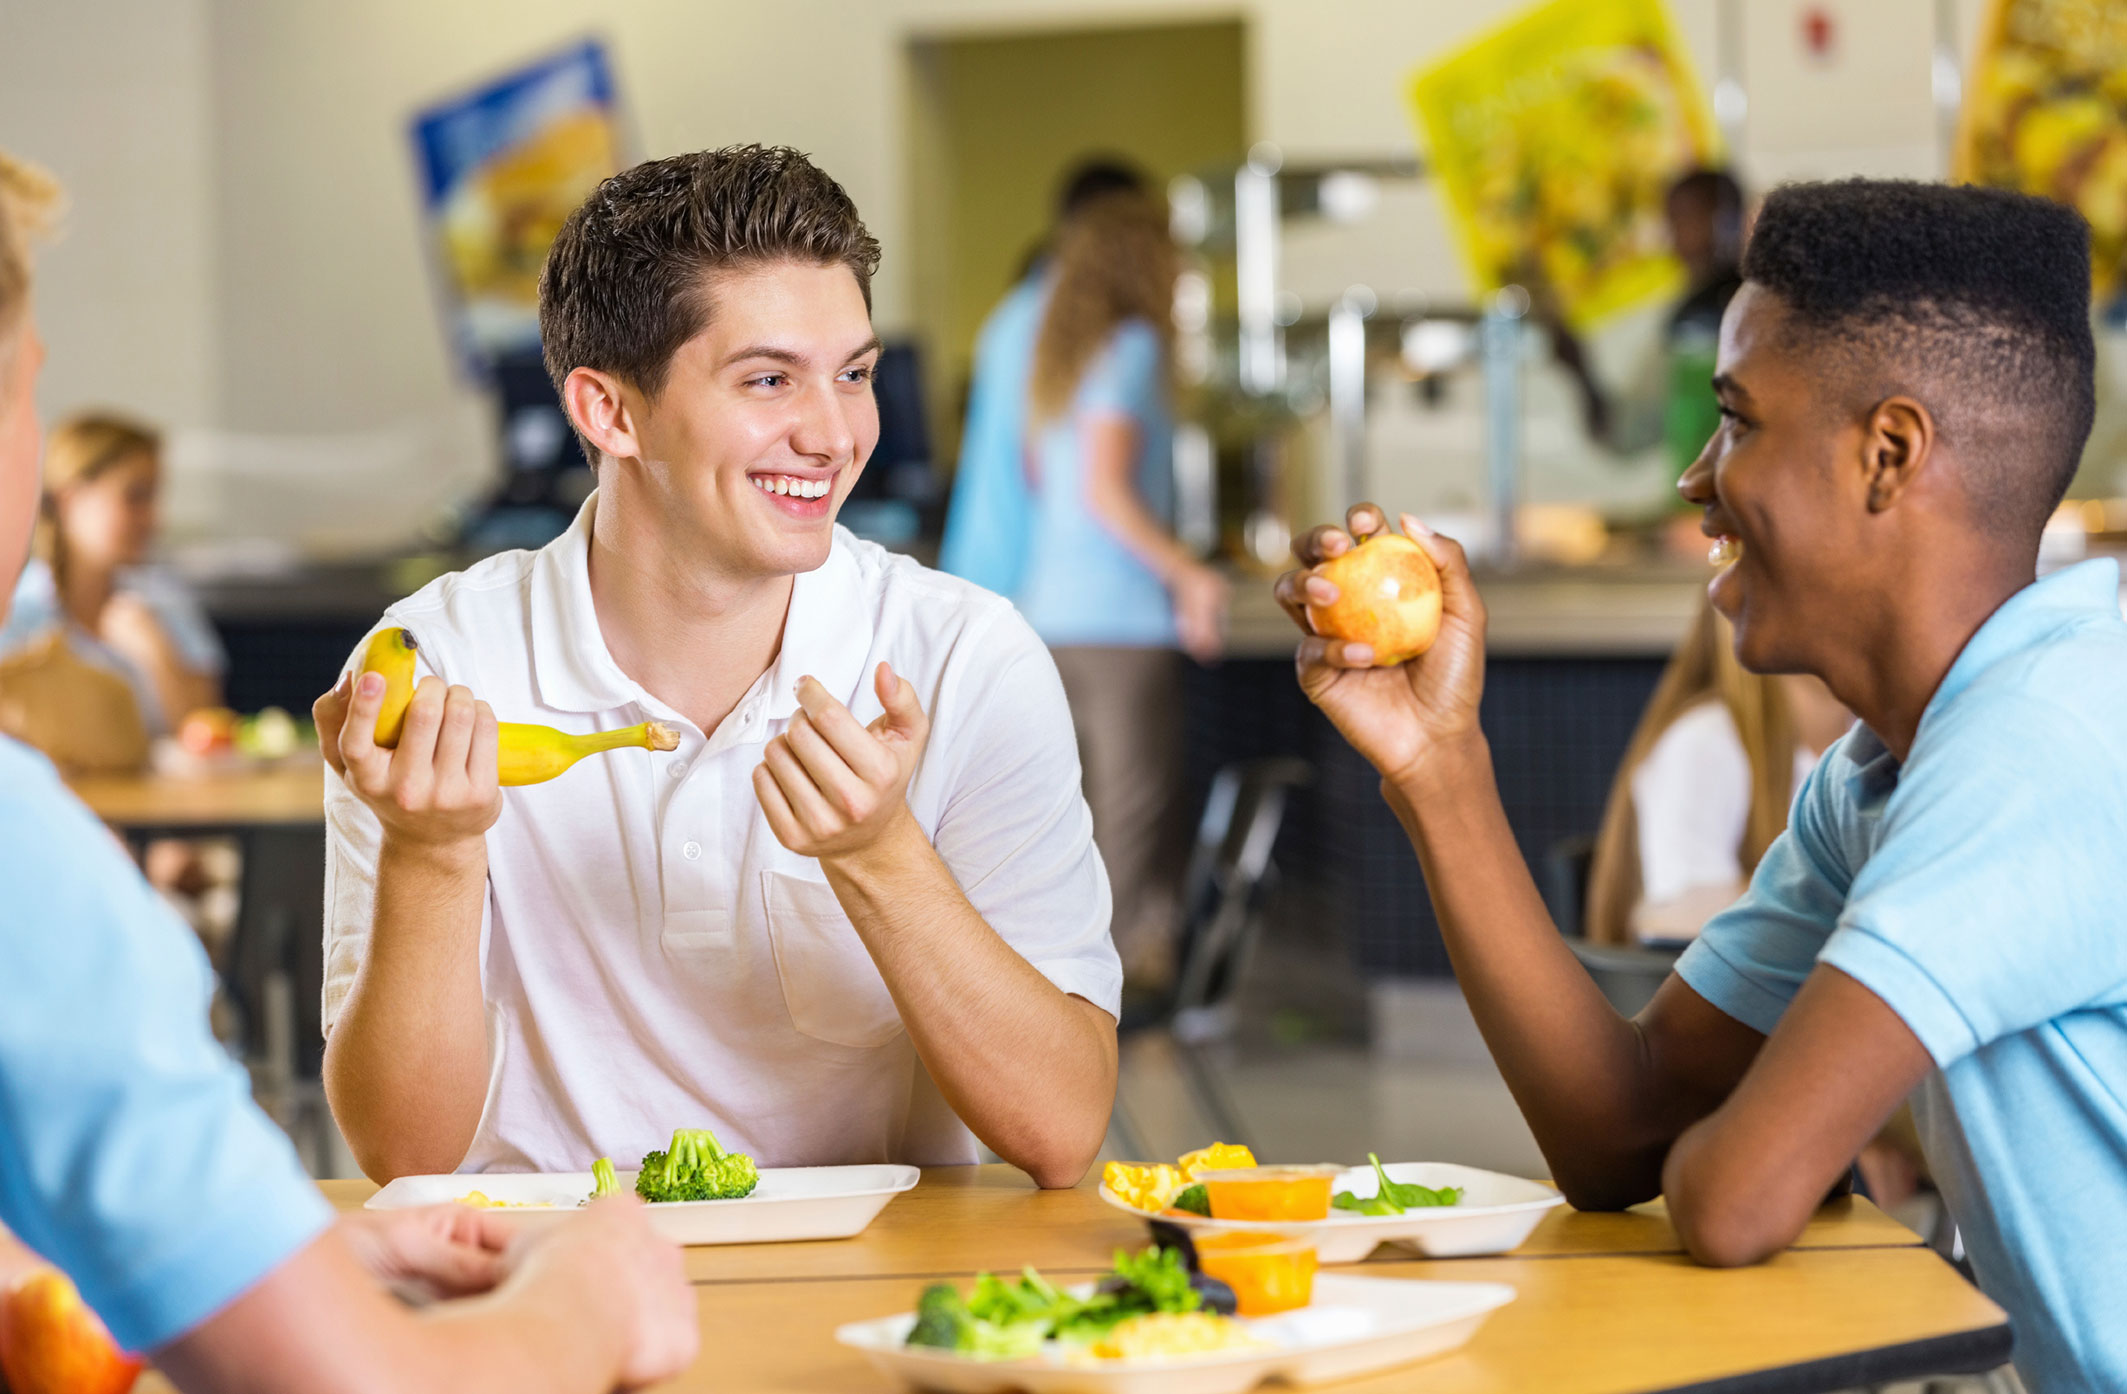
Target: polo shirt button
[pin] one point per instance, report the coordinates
(692, 851)
(749, 714)
(676, 768)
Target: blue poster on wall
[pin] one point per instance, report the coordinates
(502, 168)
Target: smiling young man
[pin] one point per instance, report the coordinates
(857, 915)
(1906, 385)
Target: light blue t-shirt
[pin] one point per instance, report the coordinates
(1980, 890)
(35, 611)
(990, 518)
(1083, 586)
(131, 1154)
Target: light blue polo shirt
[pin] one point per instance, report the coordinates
(990, 519)
(1981, 891)
(1082, 585)
(131, 1154)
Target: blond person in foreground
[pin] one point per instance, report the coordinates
(856, 915)
(1905, 382)
(132, 1157)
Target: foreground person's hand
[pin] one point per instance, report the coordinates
(832, 787)
(1395, 717)
(441, 785)
(432, 1251)
(610, 1275)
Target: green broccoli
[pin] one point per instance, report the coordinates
(603, 1181)
(941, 1316)
(1194, 1199)
(696, 1167)
(947, 1321)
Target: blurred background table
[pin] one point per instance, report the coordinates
(272, 968)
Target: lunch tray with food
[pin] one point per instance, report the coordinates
(1435, 1209)
(1160, 1324)
(698, 1193)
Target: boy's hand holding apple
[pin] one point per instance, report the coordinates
(1394, 657)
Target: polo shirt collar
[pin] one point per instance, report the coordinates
(572, 668)
(827, 632)
(2089, 589)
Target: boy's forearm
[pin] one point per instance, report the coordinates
(1578, 1070)
(1030, 1069)
(408, 1109)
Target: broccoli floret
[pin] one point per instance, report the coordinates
(603, 1181)
(1194, 1199)
(696, 1167)
(1007, 1331)
(941, 1317)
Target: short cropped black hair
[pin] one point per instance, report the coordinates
(1976, 301)
(625, 281)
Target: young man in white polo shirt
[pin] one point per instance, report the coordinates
(857, 914)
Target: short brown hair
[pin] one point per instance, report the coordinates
(624, 282)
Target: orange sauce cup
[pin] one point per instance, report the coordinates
(1268, 1273)
(1270, 1193)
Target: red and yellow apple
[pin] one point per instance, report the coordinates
(1388, 595)
(51, 1343)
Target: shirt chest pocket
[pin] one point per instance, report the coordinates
(831, 987)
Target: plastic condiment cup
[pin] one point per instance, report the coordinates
(1270, 1193)
(1269, 1273)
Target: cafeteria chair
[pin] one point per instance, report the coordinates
(1627, 974)
(1224, 890)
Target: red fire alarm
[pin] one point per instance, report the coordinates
(1820, 32)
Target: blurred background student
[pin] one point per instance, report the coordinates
(990, 520)
(90, 579)
(103, 651)
(1107, 585)
(1669, 400)
(1704, 788)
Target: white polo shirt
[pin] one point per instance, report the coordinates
(652, 957)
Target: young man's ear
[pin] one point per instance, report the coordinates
(599, 408)
(1897, 442)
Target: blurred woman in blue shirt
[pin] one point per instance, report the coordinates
(1107, 584)
(90, 576)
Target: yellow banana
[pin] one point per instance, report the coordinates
(391, 652)
(529, 754)
(535, 754)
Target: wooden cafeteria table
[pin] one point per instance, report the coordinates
(274, 964)
(1606, 1304)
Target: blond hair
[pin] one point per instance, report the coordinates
(1703, 669)
(81, 449)
(1114, 262)
(29, 204)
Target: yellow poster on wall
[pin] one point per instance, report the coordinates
(2046, 112)
(1555, 139)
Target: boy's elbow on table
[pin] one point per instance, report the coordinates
(1725, 1217)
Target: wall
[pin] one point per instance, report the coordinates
(247, 251)
(111, 96)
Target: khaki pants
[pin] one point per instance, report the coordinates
(1126, 704)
